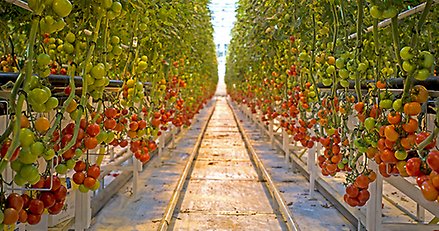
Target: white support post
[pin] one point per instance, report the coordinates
(286, 144)
(312, 170)
(137, 166)
(82, 211)
(173, 133)
(374, 205)
(161, 143)
(420, 213)
(271, 131)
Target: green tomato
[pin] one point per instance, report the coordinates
(327, 82)
(107, 3)
(408, 67)
(98, 71)
(386, 104)
(61, 169)
(344, 160)
(40, 108)
(117, 50)
(343, 73)
(70, 164)
(70, 37)
(390, 12)
(28, 171)
(19, 180)
(34, 82)
(62, 7)
(340, 165)
(37, 148)
(34, 179)
(26, 137)
(43, 60)
(49, 154)
(51, 103)
(38, 96)
(422, 74)
(68, 48)
(369, 123)
(78, 153)
(142, 65)
(58, 26)
(340, 63)
(95, 186)
(83, 189)
(26, 156)
(116, 7)
(330, 70)
(362, 67)
(406, 53)
(375, 12)
(16, 165)
(397, 105)
(401, 154)
(427, 59)
(344, 83)
(115, 40)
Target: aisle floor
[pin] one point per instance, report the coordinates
(224, 192)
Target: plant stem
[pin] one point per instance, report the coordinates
(359, 44)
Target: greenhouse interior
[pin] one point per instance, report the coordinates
(137, 115)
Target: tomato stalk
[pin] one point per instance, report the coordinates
(59, 116)
(83, 101)
(21, 97)
(396, 42)
(359, 44)
(313, 47)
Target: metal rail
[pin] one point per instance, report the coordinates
(167, 217)
(402, 15)
(283, 207)
(19, 3)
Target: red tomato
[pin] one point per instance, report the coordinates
(433, 160)
(36, 207)
(422, 136)
(413, 166)
(352, 191)
(93, 129)
(14, 201)
(93, 171)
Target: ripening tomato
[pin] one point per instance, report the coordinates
(413, 166)
(394, 117)
(411, 126)
(408, 142)
(419, 94)
(412, 108)
(388, 156)
(390, 133)
(429, 191)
